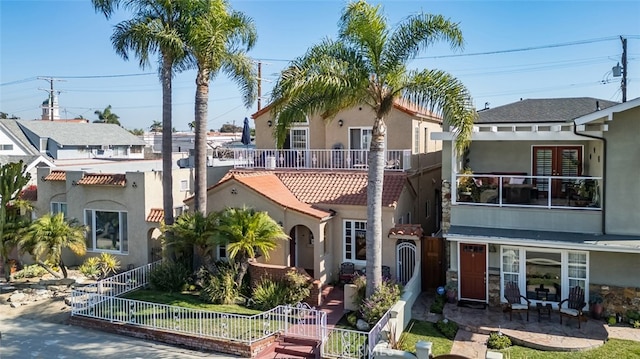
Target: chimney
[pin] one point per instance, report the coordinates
(597, 105)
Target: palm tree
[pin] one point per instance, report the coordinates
(13, 177)
(49, 234)
(218, 40)
(156, 126)
(367, 65)
(192, 232)
(245, 233)
(107, 116)
(154, 28)
(192, 125)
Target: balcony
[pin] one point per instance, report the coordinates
(564, 192)
(321, 159)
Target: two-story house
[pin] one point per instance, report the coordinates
(15, 147)
(315, 187)
(545, 197)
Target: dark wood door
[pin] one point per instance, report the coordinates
(473, 271)
(292, 247)
(556, 161)
(433, 270)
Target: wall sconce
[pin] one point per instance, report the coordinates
(269, 123)
(234, 191)
(74, 183)
(43, 179)
(134, 185)
(340, 122)
(311, 238)
(493, 248)
(280, 223)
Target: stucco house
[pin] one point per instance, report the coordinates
(545, 197)
(315, 187)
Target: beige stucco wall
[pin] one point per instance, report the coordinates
(137, 200)
(619, 269)
(622, 196)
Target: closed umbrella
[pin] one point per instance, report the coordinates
(246, 136)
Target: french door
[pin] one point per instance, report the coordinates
(556, 161)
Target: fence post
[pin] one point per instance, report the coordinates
(423, 349)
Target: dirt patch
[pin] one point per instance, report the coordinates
(43, 299)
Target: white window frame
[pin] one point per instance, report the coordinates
(219, 249)
(184, 185)
(123, 235)
(564, 270)
(57, 207)
(416, 140)
(6, 147)
(306, 138)
(349, 228)
(426, 140)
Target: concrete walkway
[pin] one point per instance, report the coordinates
(25, 338)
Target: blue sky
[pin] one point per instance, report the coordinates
(69, 41)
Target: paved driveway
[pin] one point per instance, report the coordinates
(25, 338)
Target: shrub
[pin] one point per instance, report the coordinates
(90, 267)
(221, 288)
(100, 267)
(437, 305)
(298, 285)
(612, 320)
(31, 271)
(385, 296)
(352, 319)
(498, 341)
(169, 276)
(361, 290)
(447, 328)
(268, 294)
(633, 315)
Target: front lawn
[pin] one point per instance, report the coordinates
(613, 348)
(186, 300)
(426, 331)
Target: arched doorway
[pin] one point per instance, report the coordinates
(154, 245)
(301, 248)
(406, 260)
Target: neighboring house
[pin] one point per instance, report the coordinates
(78, 140)
(316, 188)
(549, 201)
(15, 147)
(123, 208)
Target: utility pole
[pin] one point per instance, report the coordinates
(51, 92)
(259, 85)
(623, 85)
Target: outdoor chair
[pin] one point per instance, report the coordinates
(347, 272)
(575, 303)
(514, 302)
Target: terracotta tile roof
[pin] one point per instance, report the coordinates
(324, 187)
(56, 176)
(156, 215)
(103, 179)
(270, 186)
(29, 194)
(406, 230)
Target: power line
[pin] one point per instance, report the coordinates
(105, 76)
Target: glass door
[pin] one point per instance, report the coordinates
(556, 161)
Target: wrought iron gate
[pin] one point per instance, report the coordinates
(406, 261)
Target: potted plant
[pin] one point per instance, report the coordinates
(451, 291)
(596, 306)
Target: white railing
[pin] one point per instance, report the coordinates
(121, 283)
(345, 343)
(395, 160)
(529, 191)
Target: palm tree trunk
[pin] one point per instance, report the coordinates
(374, 206)
(46, 267)
(63, 268)
(242, 271)
(201, 111)
(167, 147)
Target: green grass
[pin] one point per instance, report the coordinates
(186, 300)
(426, 331)
(614, 348)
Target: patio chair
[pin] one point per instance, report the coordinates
(575, 303)
(514, 302)
(347, 272)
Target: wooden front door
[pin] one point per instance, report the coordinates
(292, 247)
(556, 161)
(473, 271)
(433, 271)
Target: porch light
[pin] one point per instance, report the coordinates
(340, 122)
(269, 123)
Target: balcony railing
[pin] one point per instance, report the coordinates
(529, 191)
(395, 160)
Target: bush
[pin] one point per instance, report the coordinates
(169, 276)
(385, 296)
(292, 289)
(447, 328)
(612, 320)
(90, 267)
(438, 305)
(221, 288)
(361, 290)
(100, 267)
(31, 271)
(352, 319)
(498, 341)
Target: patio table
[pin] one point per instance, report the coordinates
(544, 310)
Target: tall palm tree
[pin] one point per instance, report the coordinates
(218, 40)
(48, 235)
(192, 234)
(367, 65)
(156, 126)
(107, 116)
(245, 233)
(154, 28)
